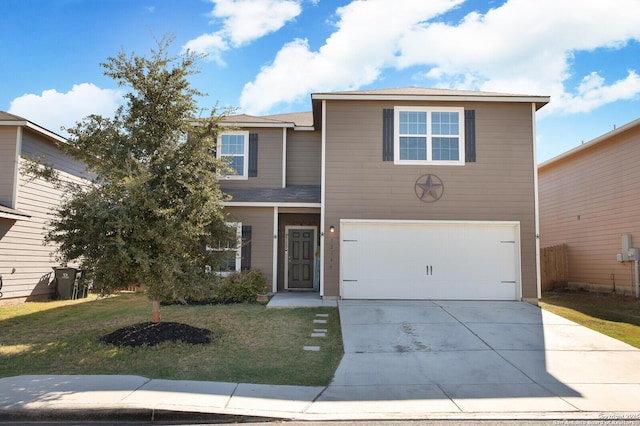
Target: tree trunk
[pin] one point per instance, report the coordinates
(155, 311)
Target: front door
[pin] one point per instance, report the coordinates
(301, 246)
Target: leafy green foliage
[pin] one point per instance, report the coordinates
(240, 287)
(155, 203)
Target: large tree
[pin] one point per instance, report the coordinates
(153, 206)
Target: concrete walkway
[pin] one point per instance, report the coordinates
(403, 360)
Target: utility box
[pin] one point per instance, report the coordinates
(627, 246)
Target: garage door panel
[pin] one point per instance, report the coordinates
(429, 261)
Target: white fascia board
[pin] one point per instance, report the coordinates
(35, 127)
(6, 215)
(257, 125)
(269, 204)
(46, 132)
(304, 128)
(538, 100)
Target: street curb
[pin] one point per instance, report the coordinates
(122, 415)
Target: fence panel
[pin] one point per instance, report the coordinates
(554, 267)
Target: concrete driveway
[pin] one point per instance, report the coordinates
(476, 357)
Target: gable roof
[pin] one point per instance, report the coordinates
(290, 120)
(7, 119)
(428, 94)
(582, 147)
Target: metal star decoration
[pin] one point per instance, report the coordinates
(429, 188)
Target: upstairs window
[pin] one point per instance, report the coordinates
(234, 147)
(429, 135)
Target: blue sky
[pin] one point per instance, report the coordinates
(268, 56)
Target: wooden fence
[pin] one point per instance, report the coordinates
(554, 267)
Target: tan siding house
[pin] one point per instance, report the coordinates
(589, 199)
(25, 263)
(393, 194)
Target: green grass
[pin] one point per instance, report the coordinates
(252, 344)
(610, 314)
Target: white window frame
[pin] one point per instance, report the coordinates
(245, 155)
(237, 249)
(428, 136)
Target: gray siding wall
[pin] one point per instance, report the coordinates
(269, 162)
(21, 247)
(304, 158)
(588, 201)
(498, 187)
(7, 164)
(261, 222)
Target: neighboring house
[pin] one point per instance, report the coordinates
(589, 199)
(25, 203)
(390, 194)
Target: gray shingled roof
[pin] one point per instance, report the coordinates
(290, 194)
(295, 118)
(298, 118)
(5, 116)
(421, 91)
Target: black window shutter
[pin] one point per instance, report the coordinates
(387, 134)
(246, 248)
(470, 135)
(253, 155)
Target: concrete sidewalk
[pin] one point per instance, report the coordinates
(129, 398)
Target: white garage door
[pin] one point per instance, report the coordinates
(429, 260)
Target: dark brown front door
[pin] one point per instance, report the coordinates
(301, 249)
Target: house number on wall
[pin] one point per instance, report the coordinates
(429, 269)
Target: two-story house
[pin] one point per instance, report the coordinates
(404, 193)
(589, 198)
(25, 204)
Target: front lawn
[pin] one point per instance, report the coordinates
(610, 314)
(250, 344)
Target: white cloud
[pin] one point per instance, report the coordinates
(53, 110)
(243, 21)
(364, 43)
(210, 44)
(521, 46)
(248, 20)
(593, 92)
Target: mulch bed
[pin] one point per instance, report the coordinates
(151, 334)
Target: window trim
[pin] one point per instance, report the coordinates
(237, 249)
(245, 155)
(429, 136)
